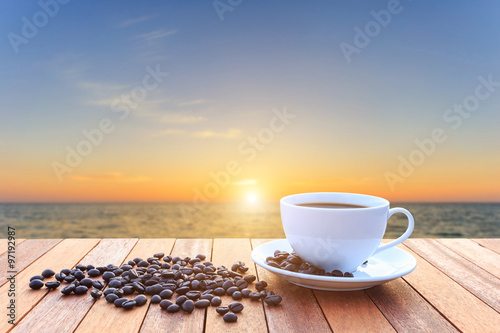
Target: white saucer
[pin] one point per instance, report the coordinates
(382, 267)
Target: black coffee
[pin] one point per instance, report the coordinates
(331, 205)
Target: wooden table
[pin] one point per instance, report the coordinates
(455, 287)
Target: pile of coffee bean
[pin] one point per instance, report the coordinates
(197, 284)
(293, 263)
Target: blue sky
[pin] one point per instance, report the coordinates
(226, 76)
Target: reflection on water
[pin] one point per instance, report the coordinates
(262, 220)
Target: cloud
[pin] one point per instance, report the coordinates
(229, 134)
(156, 34)
(181, 119)
(132, 21)
(232, 133)
(108, 177)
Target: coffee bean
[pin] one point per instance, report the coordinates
(166, 293)
(86, 282)
(79, 275)
(159, 255)
(273, 300)
(119, 302)
(207, 296)
(36, 284)
(202, 303)
(216, 301)
(96, 293)
(139, 287)
(108, 276)
(347, 274)
(219, 291)
(48, 273)
(173, 308)
(37, 277)
(115, 284)
(250, 278)
(142, 264)
(80, 290)
(182, 290)
(60, 277)
(261, 285)
(128, 290)
(140, 300)
(69, 279)
(222, 310)
(228, 284)
(231, 290)
(164, 304)
(336, 272)
(180, 300)
(236, 307)
(111, 297)
(245, 292)
(237, 295)
(97, 284)
(254, 296)
(129, 304)
(366, 261)
(243, 269)
(230, 318)
(241, 284)
(52, 284)
(68, 290)
(201, 256)
(188, 306)
(194, 295)
(155, 299)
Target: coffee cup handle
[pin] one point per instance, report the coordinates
(404, 236)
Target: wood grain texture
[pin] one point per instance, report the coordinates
(299, 311)
(406, 310)
(475, 253)
(490, 243)
(479, 282)
(3, 244)
(26, 252)
(251, 319)
(158, 320)
(352, 311)
(64, 255)
(462, 308)
(59, 313)
(103, 316)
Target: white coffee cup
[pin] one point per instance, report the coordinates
(338, 238)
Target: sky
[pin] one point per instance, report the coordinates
(207, 101)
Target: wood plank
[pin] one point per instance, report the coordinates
(352, 311)
(251, 319)
(3, 244)
(66, 254)
(298, 312)
(406, 310)
(26, 252)
(103, 317)
(462, 308)
(64, 313)
(158, 320)
(479, 282)
(475, 253)
(490, 243)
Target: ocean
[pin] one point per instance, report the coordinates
(212, 220)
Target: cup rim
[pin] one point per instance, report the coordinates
(383, 202)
